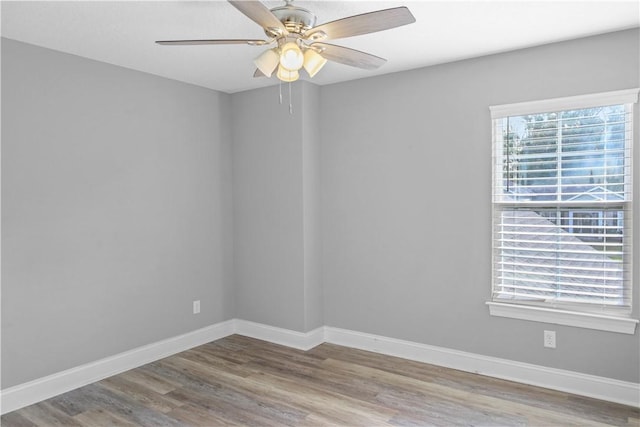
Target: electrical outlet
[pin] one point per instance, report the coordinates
(196, 307)
(550, 339)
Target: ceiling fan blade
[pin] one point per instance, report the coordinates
(260, 14)
(347, 56)
(362, 24)
(258, 73)
(219, 41)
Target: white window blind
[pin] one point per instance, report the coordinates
(562, 176)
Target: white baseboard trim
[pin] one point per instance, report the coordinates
(44, 388)
(602, 388)
(299, 340)
(608, 389)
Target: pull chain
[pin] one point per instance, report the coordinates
(290, 104)
(280, 95)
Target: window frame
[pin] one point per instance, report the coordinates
(620, 322)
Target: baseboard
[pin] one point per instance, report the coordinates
(608, 389)
(287, 337)
(44, 388)
(602, 388)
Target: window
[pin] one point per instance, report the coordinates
(562, 174)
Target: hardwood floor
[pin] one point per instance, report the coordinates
(243, 381)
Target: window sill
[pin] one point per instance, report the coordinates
(600, 322)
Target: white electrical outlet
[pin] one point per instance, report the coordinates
(550, 339)
(196, 307)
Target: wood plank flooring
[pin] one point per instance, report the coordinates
(242, 381)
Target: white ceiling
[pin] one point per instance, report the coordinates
(123, 33)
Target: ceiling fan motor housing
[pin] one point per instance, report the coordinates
(295, 19)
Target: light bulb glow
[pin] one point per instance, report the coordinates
(291, 57)
(313, 62)
(287, 75)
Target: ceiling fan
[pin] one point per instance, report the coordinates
(300, 44)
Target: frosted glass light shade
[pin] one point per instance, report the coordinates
(313, 62)
(287, 75)
(267, 61)
(291, 57)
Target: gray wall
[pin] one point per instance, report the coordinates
(115, 210)
(275, 191)
(406, 201)
(310, 113)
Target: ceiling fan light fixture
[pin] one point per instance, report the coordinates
(287, 75)
(267, 61)
(291, 57)
(300, 43)
(313, 62)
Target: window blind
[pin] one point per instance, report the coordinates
(562, 205)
